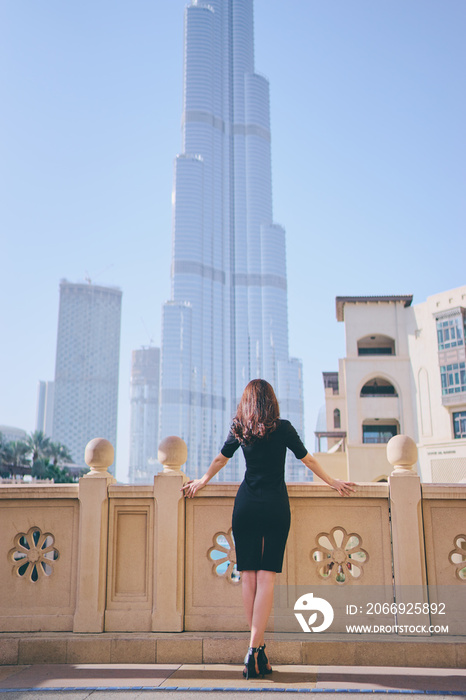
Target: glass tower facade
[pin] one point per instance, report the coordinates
(86, 366)
(227, 321)
(144, 423)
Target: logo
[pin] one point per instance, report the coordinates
(308, 603)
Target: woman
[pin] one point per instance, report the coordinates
(261, 515)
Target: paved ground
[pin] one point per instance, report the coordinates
(190, 681)
(189, 695)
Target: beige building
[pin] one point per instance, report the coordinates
(404, 372)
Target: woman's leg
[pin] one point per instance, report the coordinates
(248, 589)
(262, 607)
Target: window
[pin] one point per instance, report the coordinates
(453, 378)
(336, 419)
(450, 332)
(378, 387)
(378, 433)
(459, 424)
(376, 345)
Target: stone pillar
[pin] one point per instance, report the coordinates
(168, 610)
(93, 536)
(409, 566)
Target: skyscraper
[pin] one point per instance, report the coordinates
(44, 410)
(87, 366)
(144, 397)
(227, 321)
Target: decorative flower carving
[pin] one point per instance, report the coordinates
(223, 554)
(338, 555)
(33, 554)
(458, 556)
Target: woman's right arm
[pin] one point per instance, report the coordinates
(194, 485)
(344, 488)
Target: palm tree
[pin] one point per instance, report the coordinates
(45, 456)
(59, 454)
(40, 468)
(3, 444)
(15, 454)
(60, 475)
(38, 444)
(3, 455)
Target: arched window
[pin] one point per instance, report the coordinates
(378, 387)
(336, 419)
(376, 344)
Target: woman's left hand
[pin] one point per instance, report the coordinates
(190, 488)
(344, 488)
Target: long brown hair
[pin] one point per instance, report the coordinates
(258, 412)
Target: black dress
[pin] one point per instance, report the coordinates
(261, 516)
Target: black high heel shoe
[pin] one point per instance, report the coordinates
(250, 664)
(262, 660)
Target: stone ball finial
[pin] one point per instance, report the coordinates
(99, 455)
(402, 454)
(173, 453)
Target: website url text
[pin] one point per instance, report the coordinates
(399, 629)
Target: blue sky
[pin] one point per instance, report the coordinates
(368, 149)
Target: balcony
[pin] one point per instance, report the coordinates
(457, 399)
(102, 558)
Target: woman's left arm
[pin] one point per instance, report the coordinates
(344, 488)
(194, 485)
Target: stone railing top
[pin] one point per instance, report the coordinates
(450, 492)
(99, 456)
(215, 489)
(402, 454)
(38, 491)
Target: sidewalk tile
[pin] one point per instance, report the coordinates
(226, 675)
(89, 676)
(388, 678)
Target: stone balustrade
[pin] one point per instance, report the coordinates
(107, 557)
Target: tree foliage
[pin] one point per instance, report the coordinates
(39, 445)
(15, 454)
(58, 453)
(38, 456)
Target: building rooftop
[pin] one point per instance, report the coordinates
(89, 286)
(341, 301)
(331, 381)
(10, 432)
